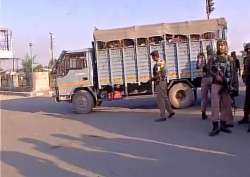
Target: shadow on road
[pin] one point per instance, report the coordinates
(47, 105)
(130, 143)
(35, 104)
(136, 156)
(32, 166)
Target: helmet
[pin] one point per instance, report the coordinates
(247, 46)
(154, 53)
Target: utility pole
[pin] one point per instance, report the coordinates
(51, 48)
(209, 7)
(31, 56)
(13, 64)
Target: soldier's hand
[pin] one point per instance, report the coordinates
(243, 78)
(150, 80)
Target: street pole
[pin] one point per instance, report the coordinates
(31, 56)
(51, 48)
(30, 47)
(13, 64)
(17, 64)
(207, 9)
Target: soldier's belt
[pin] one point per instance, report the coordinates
(163, 79)
(218, 82)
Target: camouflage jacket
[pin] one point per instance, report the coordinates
(159, 70)
(223, 67)
(205, 66)
(246, 71)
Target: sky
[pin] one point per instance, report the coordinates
(72, 22)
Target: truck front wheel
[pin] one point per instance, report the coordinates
(83, 102)
(181, 95)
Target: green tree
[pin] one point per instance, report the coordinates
(38, 68)
(27, 63)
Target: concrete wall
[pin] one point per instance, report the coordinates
(41, 81)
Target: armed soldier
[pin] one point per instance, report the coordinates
(206, 81)
(222, 71)
(246, 80)
(237, 62)
(235, 81)
(159, 76)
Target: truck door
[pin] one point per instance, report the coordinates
(74, 71)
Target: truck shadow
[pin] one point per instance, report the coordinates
(48, 105)
(36, 104)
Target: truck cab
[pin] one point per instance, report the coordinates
(74, 80)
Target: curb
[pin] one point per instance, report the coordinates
(25, 94)
(28, 94)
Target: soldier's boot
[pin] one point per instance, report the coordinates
(203, 116)
(231, 125)
(244, 120)
(223, 127)
(171, 115)
(215, 130)
(160, 119)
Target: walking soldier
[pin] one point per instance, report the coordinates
(206, 81)
(159, 76)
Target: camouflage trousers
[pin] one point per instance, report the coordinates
(221, 105)
(206, 84)
(247, 102)
(162, 98)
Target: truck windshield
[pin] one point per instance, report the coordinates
(71, 62)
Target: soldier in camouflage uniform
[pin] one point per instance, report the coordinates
(237, 62)
(159, 77)
(246, 80)
(222, 71)
(206, 81)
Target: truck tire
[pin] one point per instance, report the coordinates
(83, 102)
(181, 95)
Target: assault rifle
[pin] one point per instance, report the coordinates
(226, 86)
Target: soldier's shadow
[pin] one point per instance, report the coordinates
(33, 166)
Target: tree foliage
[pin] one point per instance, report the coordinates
(38, 68)
(27, 63)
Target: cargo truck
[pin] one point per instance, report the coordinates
(118, 64)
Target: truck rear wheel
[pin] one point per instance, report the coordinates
(181, 95)
(83, 102)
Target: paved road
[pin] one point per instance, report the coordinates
(42, 138)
